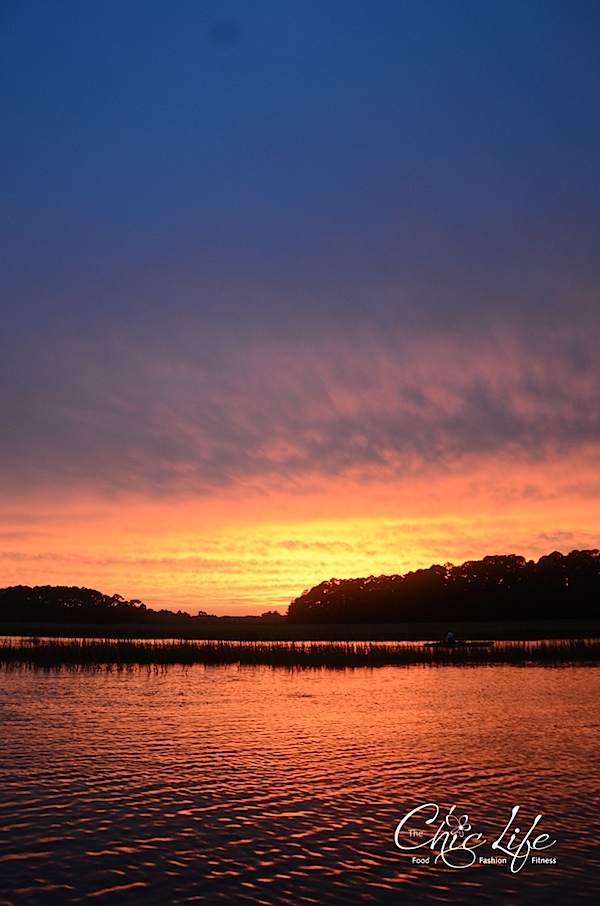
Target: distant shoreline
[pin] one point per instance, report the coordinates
(253, 629)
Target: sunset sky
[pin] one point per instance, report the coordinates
(294, 290)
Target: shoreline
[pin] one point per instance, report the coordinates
(254, 629)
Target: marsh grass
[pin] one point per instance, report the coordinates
(52, 654)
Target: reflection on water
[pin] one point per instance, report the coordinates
(266, 786)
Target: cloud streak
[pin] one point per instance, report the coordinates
(291, 414)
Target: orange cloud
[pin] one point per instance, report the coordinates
(258, 548)
(241, 479)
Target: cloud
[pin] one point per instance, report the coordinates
(273, 413)
(171, 557)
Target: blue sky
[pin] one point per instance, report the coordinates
(221, 222)
(313, 152)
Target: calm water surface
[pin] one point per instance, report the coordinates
(267, 786)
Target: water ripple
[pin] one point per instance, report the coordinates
(267, 787)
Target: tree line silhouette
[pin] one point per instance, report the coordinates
(507, 587)
(69, 604)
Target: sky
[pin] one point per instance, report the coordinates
(292, 290)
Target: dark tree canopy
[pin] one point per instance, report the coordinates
(506, 587)
(66, 604)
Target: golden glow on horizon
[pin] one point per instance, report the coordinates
(259, 549)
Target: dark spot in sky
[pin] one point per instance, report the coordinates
(223, 31)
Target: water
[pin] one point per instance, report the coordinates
(266, 786)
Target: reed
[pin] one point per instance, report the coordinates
(52, 654)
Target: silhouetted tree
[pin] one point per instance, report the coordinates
(501, 587)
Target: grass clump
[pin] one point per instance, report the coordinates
(93, 653)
